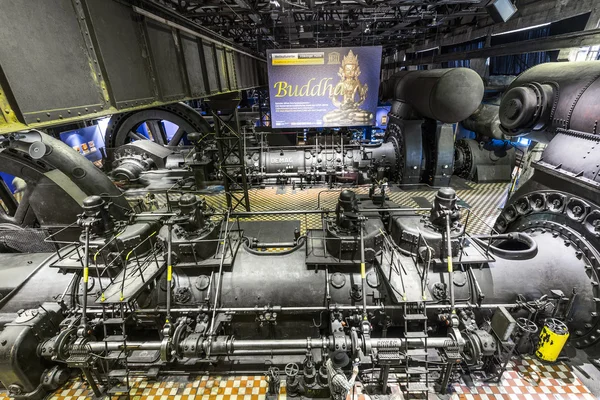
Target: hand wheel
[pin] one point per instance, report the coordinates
(292, 369)
(526, 325)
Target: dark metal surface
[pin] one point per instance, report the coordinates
(123, 52)
(56, 183)
(99, 58)
(552, 96)
(446, 95)
(295, 299)
(483, 162)
(485, 121)
(122, 127)
(42, 59)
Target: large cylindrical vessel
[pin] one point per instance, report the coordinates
(446, 95)
(551, 97)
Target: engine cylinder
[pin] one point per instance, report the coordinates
(446, 95)
(552, 96)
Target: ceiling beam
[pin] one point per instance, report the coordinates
(557, 42)
(529, 15)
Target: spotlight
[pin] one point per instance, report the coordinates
(501, 10)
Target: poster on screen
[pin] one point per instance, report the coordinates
(326, 87)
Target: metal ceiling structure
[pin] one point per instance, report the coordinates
(262, 24)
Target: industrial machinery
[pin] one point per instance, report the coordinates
(328, 161)
(489, 156)
(54, 181)
(418, 145)
(186, 289)
(408, 292)
(424, 105)
(556, 103)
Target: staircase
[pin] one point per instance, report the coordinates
(416, 363)
(120, 317)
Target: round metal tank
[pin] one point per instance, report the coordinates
(556, 266)
(552, 96)
(447, 95)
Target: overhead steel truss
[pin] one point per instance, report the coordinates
(261, 24)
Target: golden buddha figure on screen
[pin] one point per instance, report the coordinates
(348, 95)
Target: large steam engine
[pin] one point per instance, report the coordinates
(556, 104)
(187, 289)
(406, 293)
(418, 145)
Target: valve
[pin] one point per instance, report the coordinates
(292, 383)
(273, 379)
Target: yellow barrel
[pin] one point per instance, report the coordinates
(553, 337)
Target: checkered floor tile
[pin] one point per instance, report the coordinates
(525, 379)
(485, 201)
(200, 388)
(529, 379)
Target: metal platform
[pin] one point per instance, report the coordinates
(132, 280)
(316, 254)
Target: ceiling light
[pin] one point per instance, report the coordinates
(520, 29)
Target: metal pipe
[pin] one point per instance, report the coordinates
(279, 344)
(274, 352)
(362, 210)
(310, 309)
(101, 347)
(280, 244)
(218, 290)
(450, 267)
(236, 347)
(363, 274)
(86, 272)
(241, 214)
(169, 270)
(313, 309)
